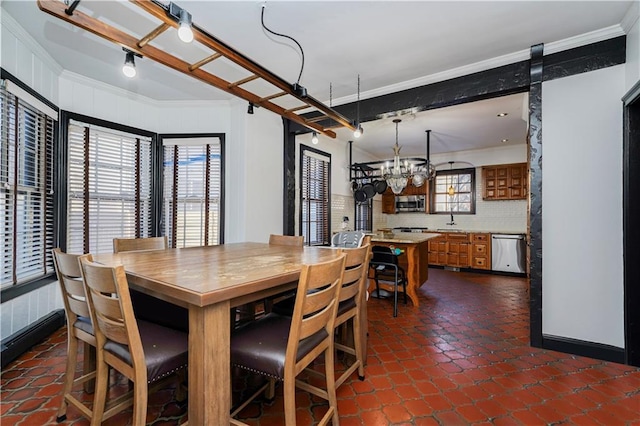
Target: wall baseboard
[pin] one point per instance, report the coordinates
(22, 340)
(584, 348)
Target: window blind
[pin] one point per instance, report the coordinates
(192, 192)
(314, 199)
(109, 187)
(26, 191)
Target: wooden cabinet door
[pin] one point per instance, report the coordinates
(490, 183)
(438, 251)
(518, 182)
(505, 182)
(388, 202)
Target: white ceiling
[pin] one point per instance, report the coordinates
(388, 43)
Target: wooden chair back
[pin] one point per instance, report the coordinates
(315, 309)
(70, 279)
(354, 280)
(135, 244)
(112, 313)
(286, 240)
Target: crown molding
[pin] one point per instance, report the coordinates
(631, 17)
(522, 55)
(12, 26)
(584, 39)
(95, 84)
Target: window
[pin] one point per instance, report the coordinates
(109, 187)
(192, 205)
(26, 191)
(315, 173)
(454, 191)
(364, 216)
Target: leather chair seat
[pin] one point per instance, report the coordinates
(165, 349)
(84, 324)
(261, 346)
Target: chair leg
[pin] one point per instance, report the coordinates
(395, 296)
(404, 285)
(331, 383)
(377, 288)
(357, 345)
(140, 398)
(289, 390)
(100, 394)
(72, 359)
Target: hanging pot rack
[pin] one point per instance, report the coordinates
(219, 49)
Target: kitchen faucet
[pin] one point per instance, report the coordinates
(452, 222)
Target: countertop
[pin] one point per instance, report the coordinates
(469, 231)
(404, 237)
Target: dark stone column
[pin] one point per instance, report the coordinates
(535, 189)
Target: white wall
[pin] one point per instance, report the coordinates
(27, 61)
(582, 283)
(264, 162)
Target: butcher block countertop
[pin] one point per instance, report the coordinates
(403, 237)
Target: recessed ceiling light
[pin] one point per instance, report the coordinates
(503, 114)
(505, 140)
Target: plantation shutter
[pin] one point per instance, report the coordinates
(192, 191)
(315, 190)
(109, 187)
(26, 190)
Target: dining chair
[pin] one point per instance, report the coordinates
(247, 313)
(350, 309)
(281, 347)
(347, 239)
(384, 263)
(142, 351)
(352, 296)
(145, 306)
(137, 244)
(286, 240)
(79, 329)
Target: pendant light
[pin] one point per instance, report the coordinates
(359, 130)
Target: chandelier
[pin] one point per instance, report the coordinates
(398, 176)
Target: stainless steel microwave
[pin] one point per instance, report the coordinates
(410, 203)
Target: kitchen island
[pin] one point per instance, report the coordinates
(413, 259)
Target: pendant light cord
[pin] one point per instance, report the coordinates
(285, 36)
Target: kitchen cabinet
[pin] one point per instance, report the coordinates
(389, 198)
(450, 249)
(505, 181)
(481, 251)
(388, 202)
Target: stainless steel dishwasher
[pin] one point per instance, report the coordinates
(508, 253)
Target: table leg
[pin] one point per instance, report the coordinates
(209, 365)
(413, 274)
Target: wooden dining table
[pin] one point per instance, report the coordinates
(209, 281)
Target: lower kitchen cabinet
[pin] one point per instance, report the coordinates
(481, 251)
(461, 250)
(450, 249)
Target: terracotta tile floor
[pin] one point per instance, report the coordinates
(461, 358)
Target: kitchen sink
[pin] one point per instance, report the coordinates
(449, 230)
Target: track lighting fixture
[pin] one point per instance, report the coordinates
(250, 109)
(129, 67)
(185, 32)
(314, 138)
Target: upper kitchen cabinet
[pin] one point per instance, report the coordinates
(505, 182)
